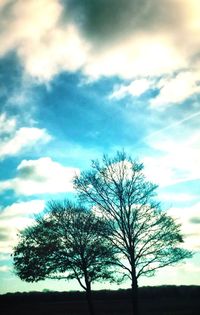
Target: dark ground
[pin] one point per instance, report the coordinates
(165, 300)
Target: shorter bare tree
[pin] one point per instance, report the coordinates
(66, 242)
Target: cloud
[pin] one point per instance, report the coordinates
(3, 234)
(101, 38)
(22, 209)
(14, 218)
(97, 18)
(175, 154)
(171, 89)
(185, 273)
(177, 197)
(142, 56)
(20, 139)
(173, 125)
(41, 176)
(4, 257)
(135, 88)
(4, 268)
(175, 90)
(190, 229)
(148, 37)
(30, 22)
(195, 220)
(42, 44)
(7, 125)
(62, 51)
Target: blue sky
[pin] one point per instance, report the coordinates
(82, 78)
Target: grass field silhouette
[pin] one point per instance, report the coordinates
(163, 300)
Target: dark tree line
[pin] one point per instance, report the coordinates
(122, 228)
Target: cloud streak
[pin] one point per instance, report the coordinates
(173, 125)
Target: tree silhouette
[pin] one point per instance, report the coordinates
(144, 235)
(66, 242)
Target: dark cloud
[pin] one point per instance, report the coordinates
(26, 172)
(6, 9)
(29, 172)
(105, 21)
(195, 220)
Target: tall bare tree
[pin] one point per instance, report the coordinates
(144, 235)
(66, 242)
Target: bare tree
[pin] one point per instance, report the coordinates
(66, 242)
(144, 235)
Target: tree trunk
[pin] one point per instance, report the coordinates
(135, 295)
(89, 299)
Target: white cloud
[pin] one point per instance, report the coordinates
(146, 55)
(22, 208)
(4, 268)
(4, 257)
(189, 228)
(185, 273)
(41, 176)
(135, 88)
(160, 171)
(15, 218)
(177, 89)
(44, 46)
(21, 139)
(7, 125)
(177, 158)
(21, 96)
(152, 51)
(172, 89)
(49, 38)
(180, 197)
(30, 22)
(63, 50)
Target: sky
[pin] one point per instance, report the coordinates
(79, 79)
